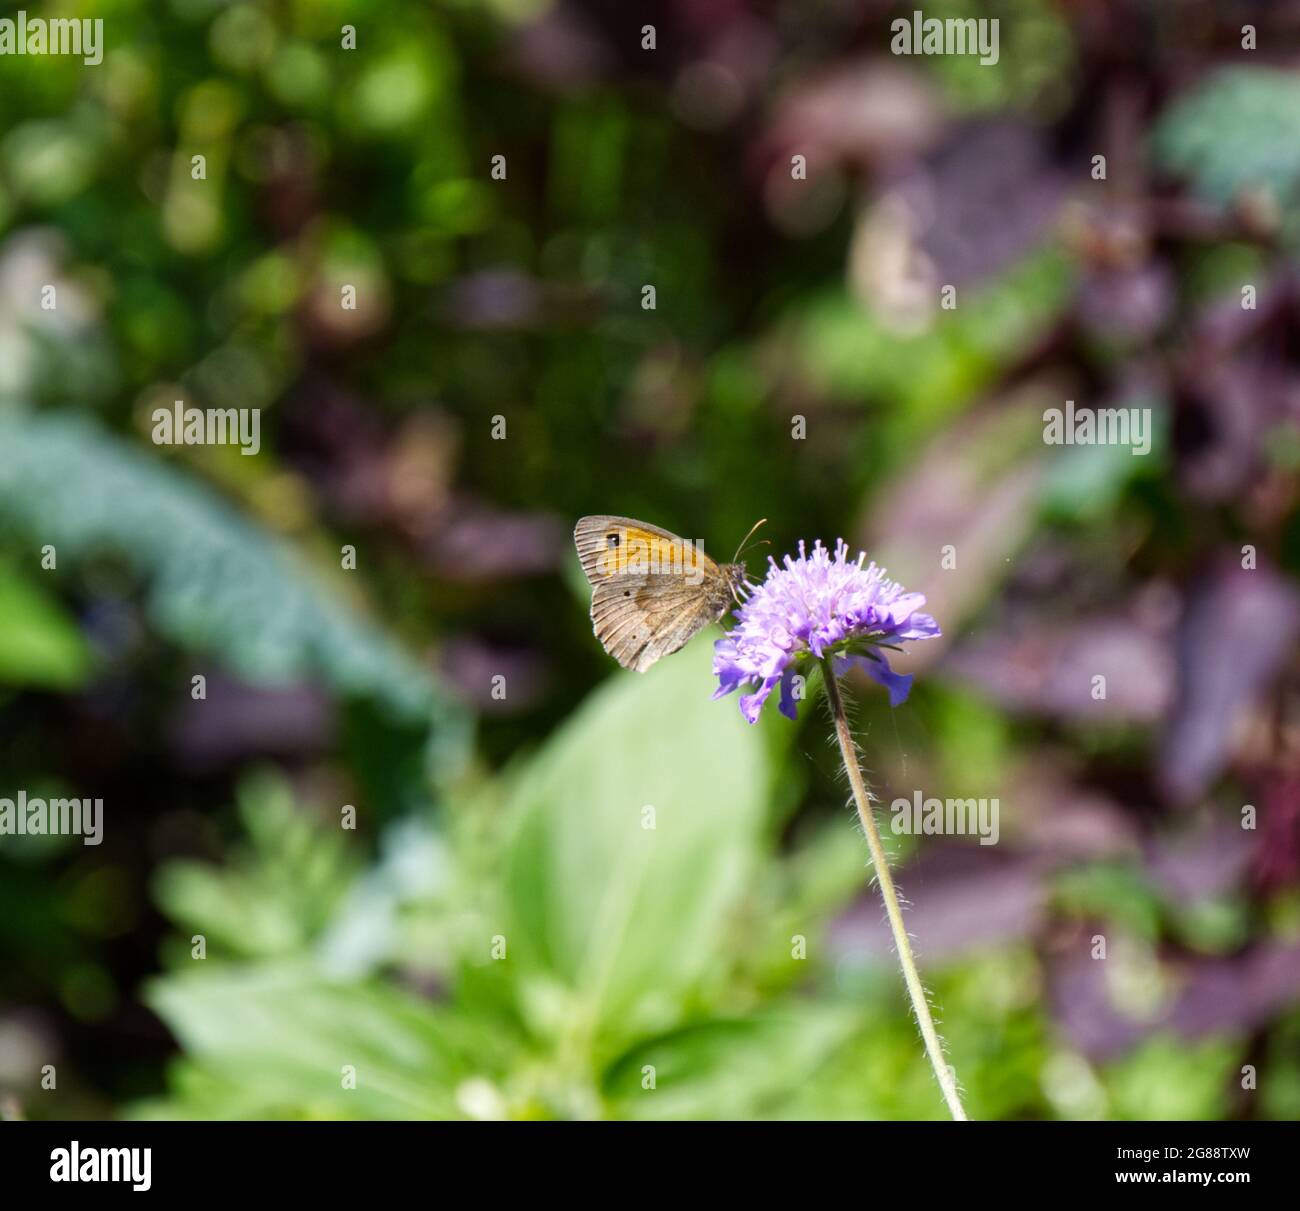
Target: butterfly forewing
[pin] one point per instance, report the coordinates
(614, 546)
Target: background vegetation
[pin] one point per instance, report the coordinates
(520, 818)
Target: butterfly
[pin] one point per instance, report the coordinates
(652, 591)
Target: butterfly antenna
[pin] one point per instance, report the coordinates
(743, 541)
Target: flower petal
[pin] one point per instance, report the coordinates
(787, 705)
(902, 608)
(726, 669)
(919, 626)
(899, 685)
(752, 704)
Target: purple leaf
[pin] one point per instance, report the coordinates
(1239, 628)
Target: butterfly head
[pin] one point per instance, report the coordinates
(737, 578)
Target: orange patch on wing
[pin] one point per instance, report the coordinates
(638, 552)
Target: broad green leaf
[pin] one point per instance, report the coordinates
(739, 1069)
(637, 829)
(284, 1036)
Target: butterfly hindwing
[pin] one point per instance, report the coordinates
(638, 621)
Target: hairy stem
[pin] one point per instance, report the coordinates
(902, 944)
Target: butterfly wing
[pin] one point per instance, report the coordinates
(643, 606)
(610, 546)
(637, 623)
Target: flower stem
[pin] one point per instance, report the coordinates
(903, 945)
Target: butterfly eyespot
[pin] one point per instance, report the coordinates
(627, 592)
(612, 540)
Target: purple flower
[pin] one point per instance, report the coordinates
(820, 606)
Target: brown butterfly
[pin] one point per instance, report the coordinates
(651, 590)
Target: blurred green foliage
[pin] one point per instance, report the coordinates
(601, 955)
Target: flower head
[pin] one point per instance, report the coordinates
(817, 605)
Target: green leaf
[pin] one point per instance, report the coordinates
(1085, 483)
(215, 580)
(275, 1041)
(275, 895)
(738, 1069)
(39, 644)
(612, 922)
(1114, 891)
(1172, 1079)
(1240, 129)
(845, 351)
